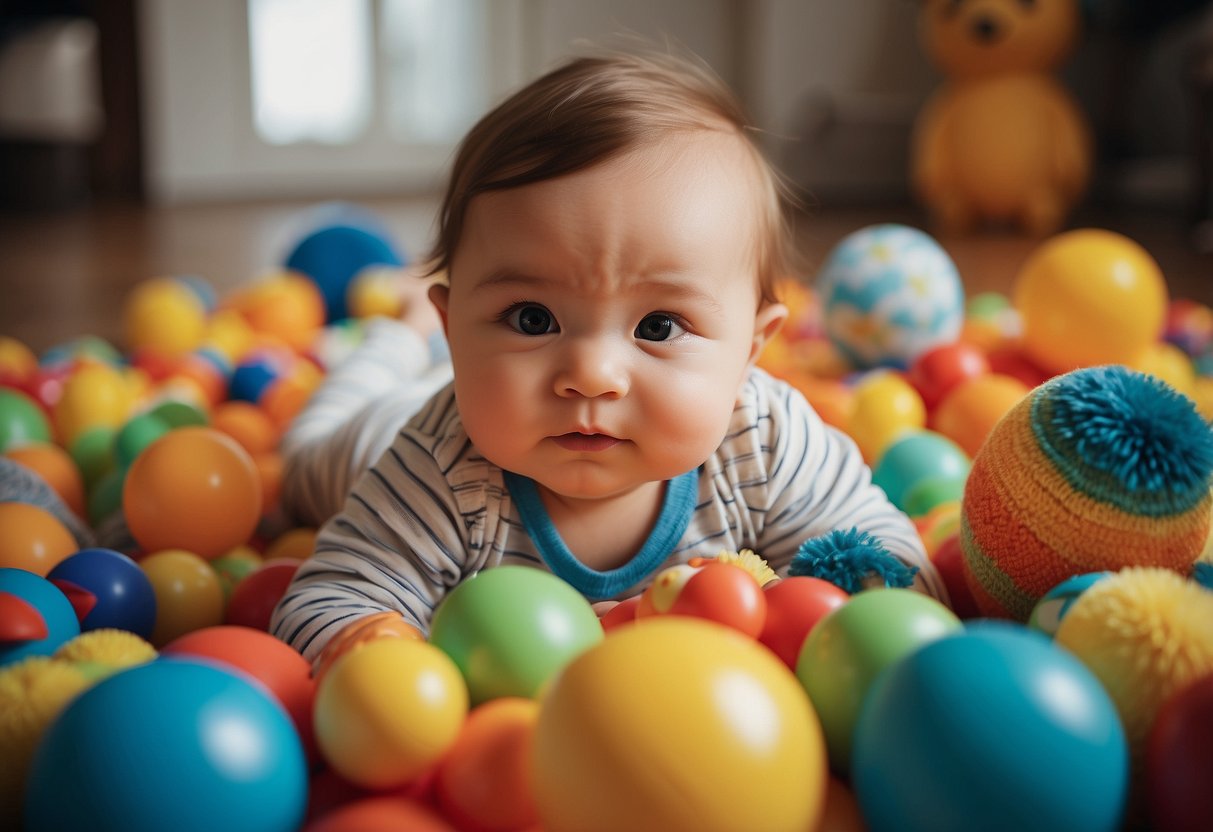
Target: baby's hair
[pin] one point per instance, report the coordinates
(590, 109)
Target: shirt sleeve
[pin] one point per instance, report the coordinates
(354, 416)
(818, 482)
(399, 544)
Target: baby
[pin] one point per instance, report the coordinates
(611, 238)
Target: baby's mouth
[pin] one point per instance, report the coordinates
(585, 441)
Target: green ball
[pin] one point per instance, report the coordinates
(93, 453)
(510, 629)
(138, 432)
(178, 414)
(21, 420)
(106, 497)
(848, 648)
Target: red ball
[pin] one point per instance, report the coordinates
(794, 606)
(1179, 761)
(949, 561)
(254, 598)
(622, 613)
(386, 813)
(935, 372)
(717, 591)
(273, 663)
(1012, 361)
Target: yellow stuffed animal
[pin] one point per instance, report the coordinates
(1002, 141)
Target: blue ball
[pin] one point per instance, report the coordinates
(251, 378)
(916, 457)
(991, 728)
(1054, 604)
(125, 598)
(333, 255)
(170, 745)
(56, 611)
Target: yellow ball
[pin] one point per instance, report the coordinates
(375, 291)
(188, 594)
(1170, 364)
(1089, 297)
(386, 712)
(164, 315)
(884, 407)
(94, 395)
(677, 724)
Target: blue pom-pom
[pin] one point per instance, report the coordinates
(846, 558)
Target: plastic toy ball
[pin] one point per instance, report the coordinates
(387, 712)
(374, 292)
(848, 648)
(93, 453)
(949, 562)
(253, 599)
(1169, 363)
(333, 254)
(919, 456)
(93, 395)
(970, 411)
(171, 744)
(794, 606)
(938, 370)
(17, 361)
(247, 424)
(234, 566)
(387, 813)
(286, 305)
(293, 544)
(47, 618)
(195, 489)
(1032, 739)
(509, 629)
(884, 407)
(134, 437)
(674, 724)
(1179, 760)
(56, 466)
(890, 293)
(33, 539)
(255, 374)
(1189, 326)
(273, 663)
(188, 594)
(165, 315)
(484, 782)
(105, 497)
(21, 420)
(717, 591)
(124, 597)
(1052, 607)
(361, 631)
(1089, 297)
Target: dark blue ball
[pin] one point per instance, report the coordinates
(125, 598)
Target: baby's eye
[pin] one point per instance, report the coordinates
(530, 319)
(658, 327)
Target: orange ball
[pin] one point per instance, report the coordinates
(386, 813)
(56, 466)
(294, 543)
(970, 411)
(247, 424)
(33, 539)
(287, 306)
(363, 631)
(270, 466)
(188, 594)
(194, 488)
(484, 781)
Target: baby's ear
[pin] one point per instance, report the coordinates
(440, 296)
(767, 322)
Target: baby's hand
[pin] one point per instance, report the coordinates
(363, 631)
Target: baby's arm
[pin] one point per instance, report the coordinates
(819, 484)
(354, 416)
(399, 544)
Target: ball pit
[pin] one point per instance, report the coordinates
(102, 410)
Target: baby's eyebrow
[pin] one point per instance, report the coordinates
(511, 277)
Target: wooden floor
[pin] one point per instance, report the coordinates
(67, 275)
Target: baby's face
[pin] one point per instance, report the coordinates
(601, 324)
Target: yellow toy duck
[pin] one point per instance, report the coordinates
(1002, 142)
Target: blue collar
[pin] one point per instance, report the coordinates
(677, 507)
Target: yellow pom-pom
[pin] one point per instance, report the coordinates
(102, 652)
(750, 562)
(1145, 633)
(32, 693)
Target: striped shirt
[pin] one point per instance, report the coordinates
(432, 512)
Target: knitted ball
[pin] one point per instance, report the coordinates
(1095, 470)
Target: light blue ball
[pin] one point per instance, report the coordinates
(169, 746)
(916, 457)
(889, 293)
(1054, 604)
(992, 728)
(50, 602)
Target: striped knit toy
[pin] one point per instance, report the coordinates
(1097, 469)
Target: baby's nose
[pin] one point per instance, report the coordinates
(592, 367)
